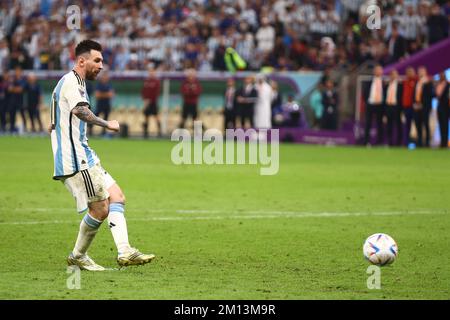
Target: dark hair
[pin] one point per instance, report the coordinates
(86, 46)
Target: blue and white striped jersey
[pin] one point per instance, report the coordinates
(71, 152)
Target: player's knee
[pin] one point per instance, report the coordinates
(100, 211)
(120, 198)
(116, 196)
(104, 213)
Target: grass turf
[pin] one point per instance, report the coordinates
(226, 232)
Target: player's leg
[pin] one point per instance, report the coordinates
(116, 218)
(118, 226)
(368, 124)
(30, 111)
(155, 113)
(158, 124)
(145, 123)
(12, 117)
(37, 114)
(89, 189)
(24, 118)
(98, 211)
(185, 114)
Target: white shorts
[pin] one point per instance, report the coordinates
(90, 185)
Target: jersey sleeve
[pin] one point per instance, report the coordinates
(74, 94)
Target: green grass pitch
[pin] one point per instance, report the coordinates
(226, 232)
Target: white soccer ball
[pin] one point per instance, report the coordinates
(380, 249)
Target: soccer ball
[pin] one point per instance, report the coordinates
(380, 249)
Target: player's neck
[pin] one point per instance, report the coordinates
(80, 72)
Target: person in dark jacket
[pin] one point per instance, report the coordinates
(246, 99)
(423, 95)
(104, 94)
(330, 103)
(16, 92)
(374, 98)
(443, 108)
(437, 25)
(230, 104)
(396, 45)
(393, 99)
(33, 101)
(4, 95)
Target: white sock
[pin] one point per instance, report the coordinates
(118, 226)
(88, 229)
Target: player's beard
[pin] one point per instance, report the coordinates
(92, 74)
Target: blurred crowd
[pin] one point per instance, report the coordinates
(218, 35)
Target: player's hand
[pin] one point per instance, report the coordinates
(113, 125)
(50, 128)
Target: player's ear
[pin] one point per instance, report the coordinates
(81, 61)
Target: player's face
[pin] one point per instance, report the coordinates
(94, 64)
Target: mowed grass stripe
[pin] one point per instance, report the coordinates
(250, 215)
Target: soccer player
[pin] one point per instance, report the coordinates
(78, 166)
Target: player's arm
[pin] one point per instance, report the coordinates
(82, 111)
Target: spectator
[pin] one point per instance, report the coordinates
(122, 58)
(408, 87)
(263, 110)
(245, 44)
(4, 56)
(373, 96)
(388, 21)
(219, 58)
(164, 32)
(437, 24)
(246, 99)
(230, 105)
(34, 100)
(190, 90)
(393, 109)
(443, 109)
(412, 25)
(18, 55)
(396, 45)
(150, 94)
(265, 36)
(330, 103)
(172, 11)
